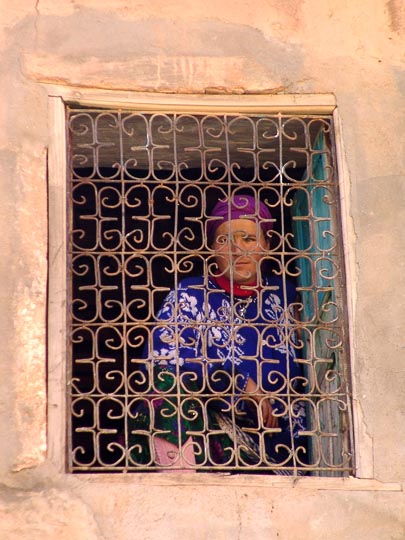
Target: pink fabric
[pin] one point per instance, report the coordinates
(167, 454)
(238, 290)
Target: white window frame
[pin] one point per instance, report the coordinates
(57, 341)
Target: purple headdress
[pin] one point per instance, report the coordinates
(240, 207)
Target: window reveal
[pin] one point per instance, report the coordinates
(142, 189)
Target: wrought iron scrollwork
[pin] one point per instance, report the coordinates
(141, 190)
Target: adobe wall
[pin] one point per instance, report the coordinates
(351, 49)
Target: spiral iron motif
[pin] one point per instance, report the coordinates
(141, 187)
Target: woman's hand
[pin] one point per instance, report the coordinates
(269, 420)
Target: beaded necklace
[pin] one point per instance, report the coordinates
(244, 295)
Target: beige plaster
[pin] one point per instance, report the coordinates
(202, 74)
(354, 50)
(41, 513)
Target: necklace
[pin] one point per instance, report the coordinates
(242, 305)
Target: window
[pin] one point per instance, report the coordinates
(143, 186)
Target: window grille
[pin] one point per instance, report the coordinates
(142, 187)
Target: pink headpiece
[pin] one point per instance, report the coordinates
(240, 207)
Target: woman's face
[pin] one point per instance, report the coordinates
(239, 247)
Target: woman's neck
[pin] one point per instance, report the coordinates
(242, 289)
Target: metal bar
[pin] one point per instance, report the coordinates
(141, 187)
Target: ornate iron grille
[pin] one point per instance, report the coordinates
(142, 187)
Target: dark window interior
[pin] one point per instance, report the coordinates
(140, 190)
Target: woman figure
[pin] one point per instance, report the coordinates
(224, 379)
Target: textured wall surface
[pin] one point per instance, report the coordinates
(354, 50)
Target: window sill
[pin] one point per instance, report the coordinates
(241, 480)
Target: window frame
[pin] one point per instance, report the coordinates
(220, 104)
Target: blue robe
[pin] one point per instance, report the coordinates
(212, 343)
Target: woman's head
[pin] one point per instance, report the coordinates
(238, 233)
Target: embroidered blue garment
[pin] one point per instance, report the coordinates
(203, 334)
(215, 342)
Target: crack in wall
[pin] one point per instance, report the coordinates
(37, 15)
